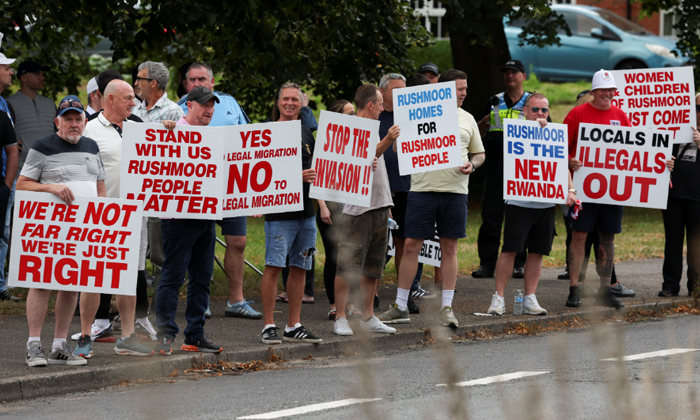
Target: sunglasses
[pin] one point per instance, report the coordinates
(143, 78)
(538, 109)
(70, 104)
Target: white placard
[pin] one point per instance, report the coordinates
(263, 169)
(90, 246)
(345, 149)
(430, 253)
(623, 165)
(175, 173)
(535, 162)
(662, 98)
(429, 139)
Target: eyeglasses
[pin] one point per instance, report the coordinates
(538, 109)
(143, 78)
(70, 104)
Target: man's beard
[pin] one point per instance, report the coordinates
(73, 138)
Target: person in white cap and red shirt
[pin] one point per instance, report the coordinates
(94, 99)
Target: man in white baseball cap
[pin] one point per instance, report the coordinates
(93, 97)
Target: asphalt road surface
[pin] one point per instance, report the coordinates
(620, 370)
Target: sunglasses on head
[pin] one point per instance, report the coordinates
(538, 109)
(70, 104)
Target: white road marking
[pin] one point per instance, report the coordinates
(309, 408)
(499, 378)
(659, 353)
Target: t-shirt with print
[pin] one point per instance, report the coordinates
(587, 113)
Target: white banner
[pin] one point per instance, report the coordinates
(263, 169)
(430, 253)
(662, 98)
(623, 165)
(175, 173)
(429, 139)
(90, 246)
(345, 149)
(535, 162)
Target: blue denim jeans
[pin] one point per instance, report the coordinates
(5, 239)
(293, 238)
(189, 247)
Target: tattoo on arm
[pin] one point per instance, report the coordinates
(477, 159)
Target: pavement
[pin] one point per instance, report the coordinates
(240, 338)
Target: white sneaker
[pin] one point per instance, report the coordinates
(498, 305)
(374, 325)
(341, 327)
(531, 307)
(146, 328)
(95, 331)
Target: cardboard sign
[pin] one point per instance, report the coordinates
(430, 253)
(345, 149)
(263, 169)
(623, 166)
(535, 162)
(661, 98)
(429, 124)
(90, 246)
(175, 173)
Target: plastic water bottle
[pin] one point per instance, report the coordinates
(518, 307)
(392, 224)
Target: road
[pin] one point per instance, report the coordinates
(549, 376)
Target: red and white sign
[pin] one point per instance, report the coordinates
(623, 165)
(90, 246)
(345, 149)
(535, 162)
(263, 169)
(662, 98)
(175, 173)
(429, 139)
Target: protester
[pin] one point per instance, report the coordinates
(530, 225)
(429, 70)
(66, 157)
(290, 238)
(94, 99)
(439, 197)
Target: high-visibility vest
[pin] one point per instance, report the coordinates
(516, 112)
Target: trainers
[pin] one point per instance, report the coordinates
(84, 347)
(412, 307)
(35, 354)
(145, 331)
(606, 298)
(420, 293)
(300, 334)
(269, 336)
(447, 317)
(395, 315)
(668, 293)
(519, 272)
(202, 345)
(98, 335)
(242, 310)
(482, 273)
(164, 346)
(341, 327)
(374, 325)
(564, 275)
(621, 291)
(531, 307)
(498, 305)
(207, 313)
(65, 356)
(6, 295)
(131, 346)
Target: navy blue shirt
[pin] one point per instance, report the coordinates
(396, 181)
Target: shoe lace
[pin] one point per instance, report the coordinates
(36, 351)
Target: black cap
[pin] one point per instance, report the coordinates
(516, 65)
(30, 67)
(201, 95)
(428, 67)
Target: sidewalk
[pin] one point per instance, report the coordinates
(240, 338)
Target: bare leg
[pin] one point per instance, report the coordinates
(126, 305)
(89, 302)
(295, 290)
(409, 262)
(576, 251)
(65, 307)
(504, 270)
(533, 270)
(398, 256)
(367, 287)
(234, 264)
(342, 290)
(449, 264)
(268, 291)
(606, 258)
(37, 306)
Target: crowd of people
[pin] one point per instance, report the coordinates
(74, 149)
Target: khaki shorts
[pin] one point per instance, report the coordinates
(363, 245)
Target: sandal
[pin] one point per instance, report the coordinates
(282, 299)
(331, 314)
(353, 313)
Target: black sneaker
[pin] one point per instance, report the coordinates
(300, 334)
(6, 295)
(202, 345)
(564, 275)
(482, 273)
(412, 307)
(164, 346)
(606, 298)
(574, 299)
(269, 336)
(519, 272)
(668, 293)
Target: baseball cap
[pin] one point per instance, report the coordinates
(516, 65)
(70, 103)
(5, 60)
(201, 95)
(92, 85)
(428, 67)
(603, 79)
(30, 67)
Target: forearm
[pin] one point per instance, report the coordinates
(11, 169)
(477, 159)
(27, 184)
(383, 145)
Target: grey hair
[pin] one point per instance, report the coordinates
(157, 71)
(199, 65)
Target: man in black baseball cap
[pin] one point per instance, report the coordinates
(429, 70)
(202, 95)
(30, 66)
(516, 65)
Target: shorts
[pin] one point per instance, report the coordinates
(293, 238)
(363, 243)
(425, 209)
(528, 228)
(233, 226)
(605, 218)
(398, 212)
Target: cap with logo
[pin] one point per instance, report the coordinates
(516, 65)
(603, 79)
(428, 67)
(70, 103)
(201, 95)
(30, 67)
(5, 60)
(92, 85)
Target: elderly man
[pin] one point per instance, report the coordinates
(65, 157)
(93, 97)
(189, 249)
(528, 225)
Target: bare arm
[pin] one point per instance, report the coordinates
(12, 152)
(390, 138)
(475, 160)
(571, 198)
(61, 191)
(325, 213)
(101, 189)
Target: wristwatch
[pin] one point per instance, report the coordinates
(572, 190)
(473, 167)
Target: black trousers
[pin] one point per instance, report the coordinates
(681, 221)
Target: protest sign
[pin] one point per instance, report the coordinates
(623, 165)
(429, 124)
(535, 162)
(345, 149)
(175, 173)
(90, 246)
(430, 253)
(661, 98)
(263, 169)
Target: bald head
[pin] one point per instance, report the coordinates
(118, 101)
